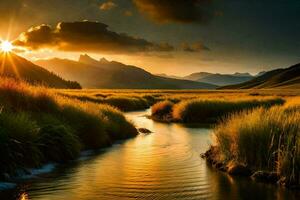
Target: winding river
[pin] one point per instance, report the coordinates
(162, 165)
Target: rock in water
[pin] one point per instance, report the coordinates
(144, 130)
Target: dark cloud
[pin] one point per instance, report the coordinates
(86, 36)
(194, 47)
(182, 11)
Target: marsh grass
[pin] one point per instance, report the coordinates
(263, 139)
(127, 103)
(38, 126)
(121, 102)
(162, 111)
(116, 124)
(17, 148)
(57, 143)
(208, 110)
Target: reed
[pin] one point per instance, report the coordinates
(263, 139)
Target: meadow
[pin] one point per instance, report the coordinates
(132, 99)
(254, 128)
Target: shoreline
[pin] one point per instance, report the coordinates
(239, 169)
(10, 181)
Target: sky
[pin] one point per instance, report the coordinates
(176, 37)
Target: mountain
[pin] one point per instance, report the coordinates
(219, 79)
(260, 73)
(105, 74)
(17, 67)
(168, 76)
(242, 74)
(278, 78)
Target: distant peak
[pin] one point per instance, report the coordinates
(242, 74)
(84, 58)
(103, 60)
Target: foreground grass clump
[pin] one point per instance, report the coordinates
(17, 136)
(38, 126)
(211, 110)
(262, 139)
(58, 143)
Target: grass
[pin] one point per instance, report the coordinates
(122, 102)
(111, 97)
(263, 139)
(38, 126)
(210, 111)
(207, 110)
(162, 111)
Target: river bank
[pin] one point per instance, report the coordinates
(39, 127)
(262, 144)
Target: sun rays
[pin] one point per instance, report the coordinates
(7, 59)
(6, 46)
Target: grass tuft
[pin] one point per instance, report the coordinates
(263, 139)
(162, 110)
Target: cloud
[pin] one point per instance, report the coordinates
(86, 36)
(181, 11)
(107, 5)
(195, 47)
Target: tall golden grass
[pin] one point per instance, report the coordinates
(208, 110)
(263, 139)
(38, 125)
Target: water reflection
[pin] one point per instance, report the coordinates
(162, 165)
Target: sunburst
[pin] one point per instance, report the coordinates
(6, 46)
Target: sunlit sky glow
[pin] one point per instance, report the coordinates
(176, 37)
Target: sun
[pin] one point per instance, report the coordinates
(6, 46)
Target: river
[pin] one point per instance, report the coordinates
(162, 165)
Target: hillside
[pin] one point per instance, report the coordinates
(20, 68)
(278, 78)
(219, 79)
(105, 74)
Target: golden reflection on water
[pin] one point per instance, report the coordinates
(24, 196)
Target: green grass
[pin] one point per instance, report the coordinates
(17, 148)
(263, 139)
(211, 110)
(57, 143)
(38, 126)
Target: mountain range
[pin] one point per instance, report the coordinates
(278, 78)
(91, 73)
(17, 67)
(219, 79)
